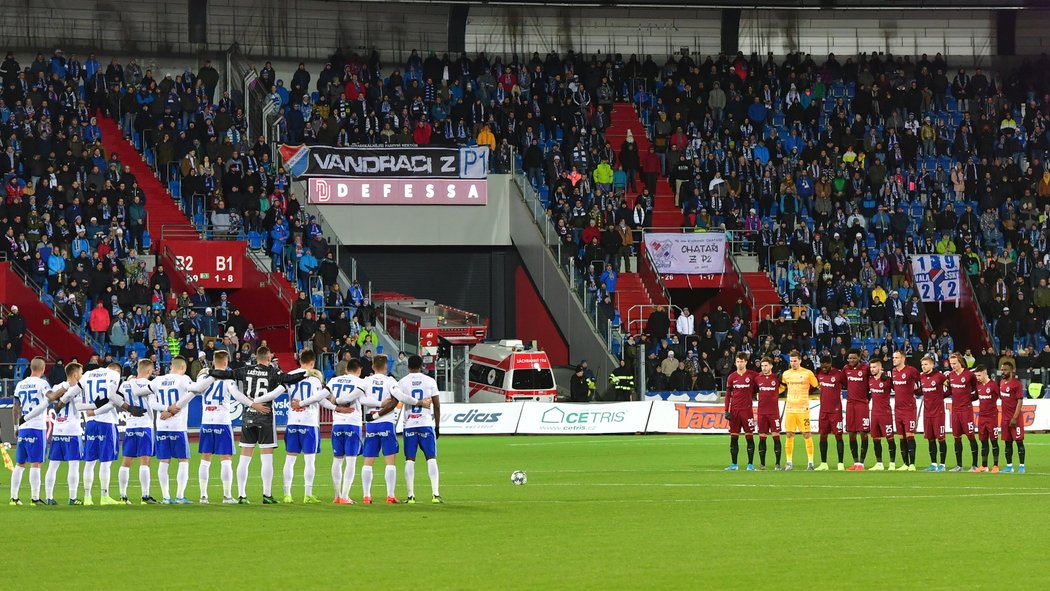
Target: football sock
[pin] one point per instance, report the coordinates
(123, 477)
(762, 450)
(267, 474)
(49, 480)
(933, 451)
(410, 476)
(893, 449)
(226, 475)
(162, 478)
(73, 479)
(912, 445)
(958, 451)
(789, 448)
(348, 476)
(750, 453)
(809, 449)
(841, 448)
(366, 480)
(943, 446)
(853, 447)
(104, 477)
(16, 480)
(243, 462)
(863, 447)
(144, 480)
(34, 481)
(1009, 453)
(89, 477)
(202, 476)
(390, 476)
(878, 450)
(432, 471)
(734, 448)
(182, 478)
(337, 476)
(1020, 452)
(824, 448)
(984, 452)
(995, 452)
(776, 448)
(973, 450)
(905, 452)
(309, 471)
(288, 474)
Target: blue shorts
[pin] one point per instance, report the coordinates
(173, 445)
(31, 446)
(422, 438)
(302, 439)
(100, 442)
(216, 439)
(138, 442)
(346, 440)
(380, 438)
(66, 448)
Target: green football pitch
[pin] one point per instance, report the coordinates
(599, 512)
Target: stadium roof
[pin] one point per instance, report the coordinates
(763, 4)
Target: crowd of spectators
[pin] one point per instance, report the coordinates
(835, 171)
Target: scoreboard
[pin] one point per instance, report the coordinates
(210, 264)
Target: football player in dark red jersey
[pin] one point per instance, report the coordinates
(1011, 393)
(741, 388)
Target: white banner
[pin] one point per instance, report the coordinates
(617, 417)
(936, 277)
(695, 253)
(480, 419)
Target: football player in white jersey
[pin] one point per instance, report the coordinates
(302, 435)
(100, 433)
(31, 402)
(216, 434)
(67, 439)
(172, 440)
(138, 431)
(346, 429)
(382, 390)
(422, 426)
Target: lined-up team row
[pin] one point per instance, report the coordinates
(157, 427)
(880, 401)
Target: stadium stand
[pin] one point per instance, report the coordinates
(832, 171)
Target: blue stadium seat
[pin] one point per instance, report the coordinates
(255, 240)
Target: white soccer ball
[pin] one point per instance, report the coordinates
(519, 477)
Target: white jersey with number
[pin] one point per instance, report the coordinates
(421, 386)
(31, 394)
(343, 388)
(308, 391)
(217, 400)
(377, 389)
(101, 383)
(126, 391)
(169, 390)
(67, 419)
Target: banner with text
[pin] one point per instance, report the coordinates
(617, 417)
(480, 419)
(688, 254)
(387, 161)
(374, 191)
(936, 277)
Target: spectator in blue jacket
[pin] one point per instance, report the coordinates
(307, 265)
(279, 235)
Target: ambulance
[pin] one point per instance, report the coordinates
(506, 371)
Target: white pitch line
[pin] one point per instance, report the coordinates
(746, 499)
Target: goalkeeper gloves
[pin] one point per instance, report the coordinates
(727, 414)
(100, 402)
(371, 416)
(136, 411)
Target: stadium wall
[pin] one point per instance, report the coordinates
(310, 30)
